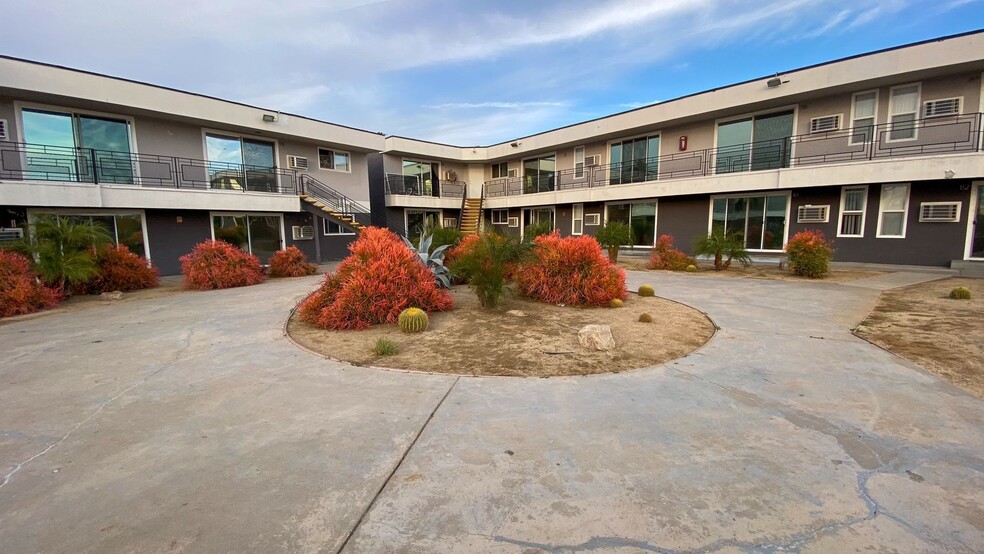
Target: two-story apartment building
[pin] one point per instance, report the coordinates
(165, 169)
(882, 152)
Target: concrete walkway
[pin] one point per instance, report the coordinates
(189, 424)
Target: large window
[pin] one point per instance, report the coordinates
(903, 107)
(538, 215)
(635, 160)
(853, 203)
(418, 177)
(334, 160)
(538, 174)
(238, 163)
(863, 114)
(126, 229)
(760, 220)
(892, 211)
(260, 235)
(756, 143)
(78, 138)
(641, 216)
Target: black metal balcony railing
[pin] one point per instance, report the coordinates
(413, 185)
(941, 135)
(36, 162)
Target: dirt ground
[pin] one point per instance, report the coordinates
(759, 271)
(471, 340)
(922, 324)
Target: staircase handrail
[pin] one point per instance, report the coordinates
(330, 197)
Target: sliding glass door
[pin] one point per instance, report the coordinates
(640, 216)
(635, 160)
(63, 147)
(259, 235)
(756, 143)
(241, 163)
(759, 220)
(418, 178)
(539, 174)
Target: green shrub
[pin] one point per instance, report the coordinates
(960, 293)
(809, 253)
(444, 236)
(723, 248)
(385, 347)
(692, 268)
(413, 320)
(615, 303)
(647, 290)
(613, 235)
(486, 262)
(530, 232)
(645, 318)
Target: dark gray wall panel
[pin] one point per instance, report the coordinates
(169, 239)
(683, 217)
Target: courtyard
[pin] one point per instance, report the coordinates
(190, 423)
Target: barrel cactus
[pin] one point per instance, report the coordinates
(647, 290)
(960, 293)
(692, 268)
(413, 320)
(615, 303)
(645, 318)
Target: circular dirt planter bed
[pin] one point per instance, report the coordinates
(471, 340)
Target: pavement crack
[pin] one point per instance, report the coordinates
(389, 477)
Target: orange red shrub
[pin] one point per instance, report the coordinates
(216, 264)
(379, 279)
(291, 262)
(809, 253)
(666, 256)
(20, 290)
(120, 269)
(571, 270)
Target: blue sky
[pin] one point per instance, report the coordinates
(466, 73)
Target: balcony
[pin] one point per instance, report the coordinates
(410, 191)
(58, 164)
(925, 137)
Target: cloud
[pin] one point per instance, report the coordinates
(493, 105)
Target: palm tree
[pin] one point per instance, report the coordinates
(723, 247)
(63, 250)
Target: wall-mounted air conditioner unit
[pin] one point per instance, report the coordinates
(10, 234)
(302, 232)
(297, 162)
(513, 173)
(592, 160)
(3, 129)
(450, 176)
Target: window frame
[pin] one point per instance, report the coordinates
(579, 173)
(505, 220)
(500, 166)
(34, 213)
(324, 227)
(841, 212)
(874, 117)
(335, 152)
(916, 114)
(904, 211)
(575, 220)
(630, 203)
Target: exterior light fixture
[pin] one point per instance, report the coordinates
(949, 173)
(774, 82)
(269, 118)
(515, 144)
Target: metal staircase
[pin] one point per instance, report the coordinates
(332, 204)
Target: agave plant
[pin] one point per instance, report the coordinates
(434, 261)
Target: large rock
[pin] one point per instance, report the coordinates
(596, 337)
(115, 295)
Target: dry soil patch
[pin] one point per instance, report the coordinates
(922, 324)
(471, 340)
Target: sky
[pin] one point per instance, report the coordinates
(471, 72)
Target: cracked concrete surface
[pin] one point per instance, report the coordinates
(189, 424)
